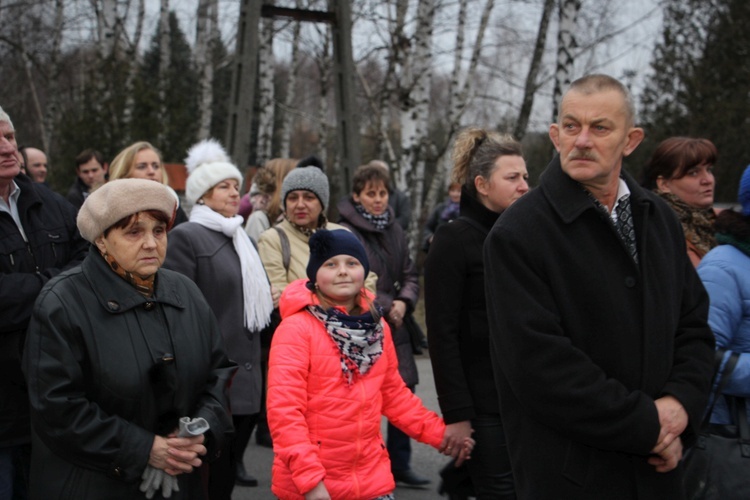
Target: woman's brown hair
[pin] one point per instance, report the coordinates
(673, 158)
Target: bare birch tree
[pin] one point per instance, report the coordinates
(206, 36)
(566, 46)
(164, 56)
(531, 86)
(266, 92)
(291, 87)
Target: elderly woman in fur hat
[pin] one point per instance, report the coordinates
(117, 353)
(214, 251)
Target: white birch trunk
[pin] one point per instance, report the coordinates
(134, 60)
(164, 57)
(265, 92)
(414, 114)
(106, 26)
(52, 111)
(531, 85)
(205, 37)
(291, 90)
(566, 45)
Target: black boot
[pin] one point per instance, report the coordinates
(262, 434)
(243, 478)
(409, 478)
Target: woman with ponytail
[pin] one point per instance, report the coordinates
(492, 174)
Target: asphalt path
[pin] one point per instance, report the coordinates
(426, 461)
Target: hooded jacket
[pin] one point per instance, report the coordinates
(108, 369)
(324, 429)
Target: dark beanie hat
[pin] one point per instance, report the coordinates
(325, 244)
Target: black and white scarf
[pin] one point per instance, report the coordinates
(379, 222)
(358, 338)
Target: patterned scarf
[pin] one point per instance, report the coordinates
(697, 223)
(145, 286)
(358, 338)
(322, 221)
(379, 222)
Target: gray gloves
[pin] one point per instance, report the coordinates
(155, 479)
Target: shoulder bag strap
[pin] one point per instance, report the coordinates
(725, 374)
(286, 251)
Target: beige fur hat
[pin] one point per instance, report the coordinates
(120, 198)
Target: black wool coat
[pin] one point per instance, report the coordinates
(456, 314)
(584, 340)
(388, 253)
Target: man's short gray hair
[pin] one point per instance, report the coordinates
(594, 83)
(5, 118)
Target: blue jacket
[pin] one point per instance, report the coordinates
(725, 272)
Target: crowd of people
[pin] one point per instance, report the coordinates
(574, 329)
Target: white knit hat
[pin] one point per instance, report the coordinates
(118, 199)
(207, 164)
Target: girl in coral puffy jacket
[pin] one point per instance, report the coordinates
(332, 374)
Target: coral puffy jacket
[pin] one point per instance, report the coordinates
(324, 429)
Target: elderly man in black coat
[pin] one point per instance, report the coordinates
(598, 322)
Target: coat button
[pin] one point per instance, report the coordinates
(248, 366)
(113, 305)
(149, 306)
(630, 282)
(117, 471)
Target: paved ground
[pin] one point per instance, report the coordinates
(425, 460)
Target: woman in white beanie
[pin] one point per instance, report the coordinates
(214, 251)
(118, 351)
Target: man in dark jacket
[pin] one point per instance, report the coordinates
(38, 240)
(602, 353)
(91, 172)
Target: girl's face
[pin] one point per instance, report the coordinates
(224, 198)
(508, 182)
(696, 187)
(374, 198)
(340, 279)
(147, 166)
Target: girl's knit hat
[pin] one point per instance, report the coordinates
(325, 244)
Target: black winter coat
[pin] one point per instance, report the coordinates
(456, 314)
(54, 244)
(101, 385)
(388, 253)
(584, 340)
